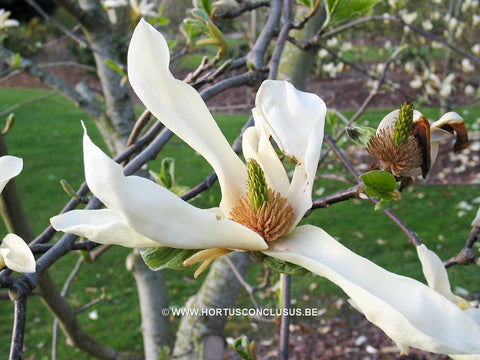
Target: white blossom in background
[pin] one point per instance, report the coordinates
(475, 19)
(452, 24)
(5, 21)
(476, 49)
(427, 25)
(332, 69)
(110, 7)
(322, 53)
(416, 83)
(332, 42)
(410, 67)
(469, 90)
(346, 46)
(467, 66)
(408, 17)
(143, 8)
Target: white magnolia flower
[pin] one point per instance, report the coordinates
(437, 279)
(142, 214)
(16, 255)
(14, 252)
(5, 21)
(418, 154)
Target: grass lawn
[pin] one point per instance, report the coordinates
(47, 135)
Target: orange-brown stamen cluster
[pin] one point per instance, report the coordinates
(272, 220)
(397, 158)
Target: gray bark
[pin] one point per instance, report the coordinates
(155, 326)
(202, 337)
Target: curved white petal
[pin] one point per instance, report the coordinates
(391, 118)
(10, 166)
(435, 273)
(158, 214)
(101, 226)
(408, 311)
(262, 151)
(296, 121)
(180, 108)
(16, 254)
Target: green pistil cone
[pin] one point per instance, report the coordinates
(403, 127)
(257, 185)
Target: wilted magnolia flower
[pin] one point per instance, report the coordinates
(14, 252)
(5, 21)
(406, 144)
(260, 207)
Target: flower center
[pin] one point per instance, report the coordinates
(263, 210)
(398, 158)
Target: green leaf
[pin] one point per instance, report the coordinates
(201, 15)
(207, 6)
(360, 134)
(381, 185)
(114, 66)
(379, 182)
(17, 60)
(342, 10)
(242, 348)
(382, 205)
(166, 258)
(284, 267)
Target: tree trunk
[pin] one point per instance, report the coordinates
(201, 337)
(153, 299)
(296, 64)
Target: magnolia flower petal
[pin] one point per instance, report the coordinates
(10, 166)
(296, 121)
(158, 214)
(16, 254)
(408, 311)
(452, 123)
(262, 151)
(391, 119)
(101, 226)
(435, 273)
(180, 108)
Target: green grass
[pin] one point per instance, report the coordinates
(47, 135)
